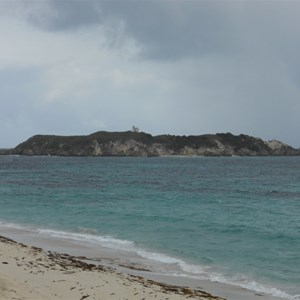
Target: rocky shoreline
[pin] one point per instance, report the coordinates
(131, 143)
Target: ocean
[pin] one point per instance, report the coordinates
(234, 220)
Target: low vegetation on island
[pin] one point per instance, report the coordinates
(135, 143)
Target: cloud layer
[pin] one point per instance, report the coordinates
(179, 67)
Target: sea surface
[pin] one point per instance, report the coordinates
(234, 219)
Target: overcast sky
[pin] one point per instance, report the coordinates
(178, 67)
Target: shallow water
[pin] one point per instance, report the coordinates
(233, 219)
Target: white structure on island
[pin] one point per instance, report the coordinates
(135, 129)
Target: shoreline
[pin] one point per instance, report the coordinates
(29, 272)
(81, 262)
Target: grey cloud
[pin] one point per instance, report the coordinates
(164, 29)
(168, 30)
(63, 15)
(16, 99)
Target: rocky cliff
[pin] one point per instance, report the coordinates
(142, 144)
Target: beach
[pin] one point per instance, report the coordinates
(30, 272)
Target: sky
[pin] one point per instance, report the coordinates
(74, 67)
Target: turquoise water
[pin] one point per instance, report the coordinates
(233, 219)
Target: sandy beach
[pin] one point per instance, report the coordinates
(30, 272)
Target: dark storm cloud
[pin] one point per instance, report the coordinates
(163, 29)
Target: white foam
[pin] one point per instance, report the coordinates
(11, 225)
(104, 241)
(158, 257)
(87, 230)
(165, 259)
(244, 282)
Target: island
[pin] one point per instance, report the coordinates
(134, 143)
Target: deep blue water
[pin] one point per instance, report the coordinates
(236, 218)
